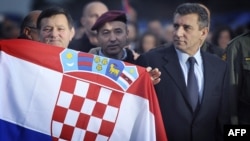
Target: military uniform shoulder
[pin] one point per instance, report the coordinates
(239, 36)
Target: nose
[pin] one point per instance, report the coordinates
(179, 31)
(54, 33)
(112, 37)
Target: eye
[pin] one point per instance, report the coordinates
(187, 27)
(61, 29)
(176, 26)
(105, 33)
(47, 29)
(118, 31)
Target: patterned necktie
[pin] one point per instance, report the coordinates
(192, 84)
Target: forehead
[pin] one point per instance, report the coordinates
(113, 25)
(188, 19)
(56, 19)
(95, 8)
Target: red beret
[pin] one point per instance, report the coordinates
(112, 15)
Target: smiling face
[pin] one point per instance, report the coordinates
(112, 37)
(188, 36)
(55, 30)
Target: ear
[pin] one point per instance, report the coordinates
(204, 33)
(26, 31)
(72, 33)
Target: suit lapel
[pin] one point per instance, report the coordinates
(173, 68)
(209, 76)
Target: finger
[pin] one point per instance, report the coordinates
(156, 81)
(148, 69)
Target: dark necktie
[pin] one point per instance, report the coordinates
(192, 84)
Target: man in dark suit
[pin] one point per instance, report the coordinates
(197, 115)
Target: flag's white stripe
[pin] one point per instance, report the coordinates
(129, 76)
(26, 97)
(20, 101)
(134, 114)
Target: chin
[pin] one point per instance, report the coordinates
(57, 44)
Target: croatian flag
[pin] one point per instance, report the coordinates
(50, 93)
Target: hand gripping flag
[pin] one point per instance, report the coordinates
(51, 93)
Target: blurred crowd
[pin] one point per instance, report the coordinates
(117, 34)
(140, 39)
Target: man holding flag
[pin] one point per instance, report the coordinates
(62, 94)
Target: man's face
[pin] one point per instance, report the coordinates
(92, 13)
(187, 35)
(112, 37)
(55, 31)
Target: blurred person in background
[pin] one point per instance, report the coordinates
(55, 26)
(28, 26)
(91, 12)
(156, 27)
(168, 34)
(221, 37)
(132, 34)
(146, 42)
(9, 27)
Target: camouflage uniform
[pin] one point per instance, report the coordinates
(238, 58)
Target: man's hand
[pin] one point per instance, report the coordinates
(155, 75)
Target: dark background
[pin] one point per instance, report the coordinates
(231, 12)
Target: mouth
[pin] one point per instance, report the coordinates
(112, 46)
(178, 41)
(48, 41)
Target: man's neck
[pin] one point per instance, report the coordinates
(121, 56)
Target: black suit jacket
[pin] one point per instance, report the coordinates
(83, 44)
(181, 124)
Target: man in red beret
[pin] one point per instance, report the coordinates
(112, 36)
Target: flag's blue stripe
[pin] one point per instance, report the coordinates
(87, 68)
(13, 132)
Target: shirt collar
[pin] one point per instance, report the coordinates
(123, 57)
(183, 57)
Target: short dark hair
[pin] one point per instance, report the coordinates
(49, 12)
(194, 8)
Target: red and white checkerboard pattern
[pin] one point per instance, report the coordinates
(84, 111)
